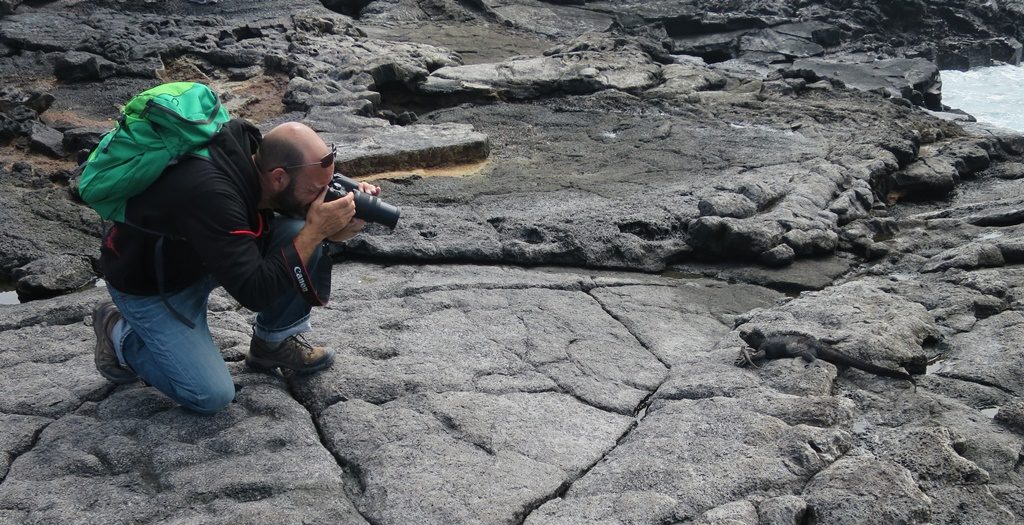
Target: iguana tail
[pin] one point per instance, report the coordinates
(838, 358)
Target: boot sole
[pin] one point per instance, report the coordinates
(265, 365)
(118, 380)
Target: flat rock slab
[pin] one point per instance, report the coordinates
(803, 275)
(678, 448)
(468, 393)
(134, 457)
(582, 66)
(680, 322)
(19, 435)
(48, 370)
(914, 79)
(549, 18)
(990, 353)
(536, 340)
(504, 394)
(466, 385)
(474, 457)
(367, 146)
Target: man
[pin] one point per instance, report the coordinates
(204, 224)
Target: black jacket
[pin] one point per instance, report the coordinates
(208, 214)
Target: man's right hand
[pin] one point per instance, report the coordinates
(326, 219)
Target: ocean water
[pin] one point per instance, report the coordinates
(994, 95)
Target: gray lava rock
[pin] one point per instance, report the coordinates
(927, 178)
(401, 359)
(474, 456)
(79, 66)
(76, 139)
(783, 510)
(305, 95)
(48, 222)
(48, 370)
(684, 78)
(930, 453)
(621, 509)
(736, 513)
(866, 490)
(47, 140)
(732, 238)
(506, 394)
(970, 505)
(1007, 170)
(811, 242)
(65, 310)
(781, 255)
(770, 41)
(18, 435)
(964, 55)
(737, 447)
(372, 146)
(969, 156)
(1012, 415)
(12, 97)
(859, 319)
(854, 203)
(259, 459)
(989, 354)
(801, 275)
(581, 67)
(11, 128)
(969, 257)
(712, 47)
(8, 6)
(680, 324)
(916, 79)
(727, 205)
(53, 276)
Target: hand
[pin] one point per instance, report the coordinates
(354, 227)
(369, 189)
(326, 219)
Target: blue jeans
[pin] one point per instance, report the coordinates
(184, 363)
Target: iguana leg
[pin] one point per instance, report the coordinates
(808, 355)
(746, 358)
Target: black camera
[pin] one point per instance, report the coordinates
(368, 207)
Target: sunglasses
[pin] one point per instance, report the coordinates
(325, 162)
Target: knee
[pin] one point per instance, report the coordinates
(211, 399)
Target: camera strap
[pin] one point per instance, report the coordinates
(300, 275)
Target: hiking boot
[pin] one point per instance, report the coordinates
(104, 317)
(294, 353)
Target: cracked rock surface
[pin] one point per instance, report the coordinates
(601, 202)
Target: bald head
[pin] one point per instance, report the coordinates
(290, 173)
(290, 144)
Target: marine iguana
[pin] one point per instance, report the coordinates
(786, 345)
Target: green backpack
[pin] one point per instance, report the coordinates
(156, 128)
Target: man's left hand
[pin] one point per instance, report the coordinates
(369, 189)
(354, 227)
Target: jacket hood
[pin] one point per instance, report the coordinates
(232, 149)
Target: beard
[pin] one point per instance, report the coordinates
(286, 203)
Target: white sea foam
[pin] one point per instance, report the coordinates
(992, 94)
